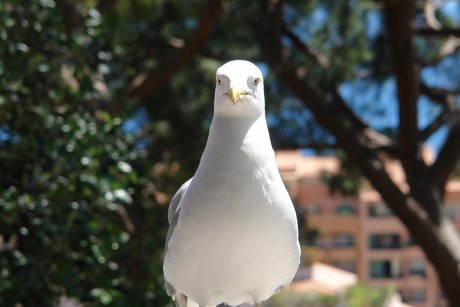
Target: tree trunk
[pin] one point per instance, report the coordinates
(437, 237)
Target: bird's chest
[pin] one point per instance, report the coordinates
(231, 207)
(226, 198)
(228, 220)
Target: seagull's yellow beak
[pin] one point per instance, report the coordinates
(236, 94)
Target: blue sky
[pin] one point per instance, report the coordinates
(452, 10)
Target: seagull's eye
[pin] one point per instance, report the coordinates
(256, 81)
(218, 81)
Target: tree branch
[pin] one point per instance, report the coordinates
(437, 123)
(440, 96)
(315, 56)
(105, 5)
(430, 9)
(148, 82)
(398, 14)
(448, 157)
(167, 42)
(224, 57)
(308, 92)
(317, 146)
(329, 109)
(443, 32)
(69, 15)
(450, 46)
(444, 98)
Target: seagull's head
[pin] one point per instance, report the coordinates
(239, 90)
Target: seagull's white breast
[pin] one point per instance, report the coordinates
(236, 237)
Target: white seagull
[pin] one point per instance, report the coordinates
(233, 234)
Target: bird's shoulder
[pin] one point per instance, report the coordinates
(175, 202)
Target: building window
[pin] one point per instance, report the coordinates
(321, 242)
(417, 267)
(345, 209)
(344, 240)
(384, 241)
(379, 210)
(385, 268)
(313, 209)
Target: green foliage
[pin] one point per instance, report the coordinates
(79, 214)
(329, 28)
(362, 295)
(307, 235)
(358, 295)
(299, 299)
(347, 181)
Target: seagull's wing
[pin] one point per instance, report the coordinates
(173, 211)
(173, 217)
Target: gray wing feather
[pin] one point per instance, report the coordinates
(173, 211)
(173, 217)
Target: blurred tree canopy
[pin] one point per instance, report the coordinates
(105, 106)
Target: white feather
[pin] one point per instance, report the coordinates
(234, 239)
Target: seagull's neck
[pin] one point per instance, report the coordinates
(233, 131)
(234, 141)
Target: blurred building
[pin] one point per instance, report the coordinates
(323, 279)
(320, 278)
(359, 233)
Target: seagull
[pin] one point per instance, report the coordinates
(233, 235)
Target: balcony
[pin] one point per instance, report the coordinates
(417, 268)
(384, 241)
(387, 269)
(415, 296)
(344, 240)
(379, 210)
(417, 273)
(333, 217)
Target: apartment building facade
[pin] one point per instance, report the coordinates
(359, 233)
